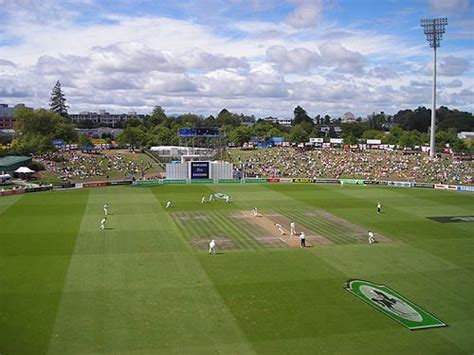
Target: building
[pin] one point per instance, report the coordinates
(348, 117)
(99, 132)
(282, 121)
(7, 117)
(10, 163)
(104, 118)
(466, 135)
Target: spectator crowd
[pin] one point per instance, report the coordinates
(368, 164)
(74, 165)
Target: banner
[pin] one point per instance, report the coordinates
(148, 182)
(375, 182)
(286, 180)
(255, 181)
(466, 188)
(401, 183)
(326, 181)
(336, 140)
(94, 184)
(316, 140)
(39, 188)
(119, 182)
(12, 192)
(374, 141)
(173, 182)
(352, 181)
(227, 181)
(424, 185)
(302, 180)
(201, 181)
(273, 180)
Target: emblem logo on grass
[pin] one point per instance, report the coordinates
(393, 305)
(221, 196)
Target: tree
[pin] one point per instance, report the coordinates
(160, 135)
(37, 129)
(134, 136)
(226, 118)
(377, 121)
(157, 117)
(298, 135)
(240, 135)
(372, 134)
(57, 102)
(409, 120)
(355, 129)
(84, 141)
(300, 116)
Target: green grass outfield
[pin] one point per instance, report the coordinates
(146, 284)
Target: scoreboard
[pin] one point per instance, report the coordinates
(199, 170)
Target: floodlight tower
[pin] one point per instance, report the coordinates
(434, 29)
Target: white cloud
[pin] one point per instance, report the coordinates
(347, 61)
(256, 66)
(448, 5)
(294, 60)
(453, 66)
(307, 13)
(302, 60)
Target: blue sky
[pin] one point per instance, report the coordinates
(249, 56)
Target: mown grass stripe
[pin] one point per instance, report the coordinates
(220, 229)
(223, 221)
(250, 228)
(324, 224)
(223, 225)
(194, 227)
(326, 231)
(238, 230)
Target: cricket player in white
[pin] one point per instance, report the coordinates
(203, 199)
(227, 198)
(102, 223)
(379, 207)
(280, 229)
(371, 237)
(212, 247)
(168, 204)
(292, 228)
(302, 240)
(211, 196)
(106, 206)
(255, 212)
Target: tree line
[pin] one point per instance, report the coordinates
(36, 129)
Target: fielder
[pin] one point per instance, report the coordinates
(102, 223)
(292, 228)
(212, 247)
(106, 206)
(168, 204)
(211, 197)
(280, 229)
(203, 200)
(255, 212)
(379, 207)
(302, 240)
(371, 237)
(227, 198)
